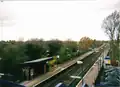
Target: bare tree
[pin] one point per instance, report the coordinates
(111, 26)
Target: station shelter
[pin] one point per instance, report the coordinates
(34, 68)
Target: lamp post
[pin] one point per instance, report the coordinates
(47, 53)
(81, 63)
(57, 59)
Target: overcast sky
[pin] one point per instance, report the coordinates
(55, 19)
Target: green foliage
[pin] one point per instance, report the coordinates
(34, 51)
(15, 52)
(54, 47)
(63, 56)
(12, 54)
(68, 51)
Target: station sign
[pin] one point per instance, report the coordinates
(107, 60)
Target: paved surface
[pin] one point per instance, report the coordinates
(92, 74)
(48, 75)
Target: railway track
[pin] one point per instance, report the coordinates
(75, 70)
(86, 68)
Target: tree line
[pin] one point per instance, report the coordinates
(12, 53)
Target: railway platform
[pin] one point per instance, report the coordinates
(48, 75)
(61, 67)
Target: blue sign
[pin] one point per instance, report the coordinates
(107, 60)
(107, 57)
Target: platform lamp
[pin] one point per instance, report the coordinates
(47, 53)
(57, 59)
